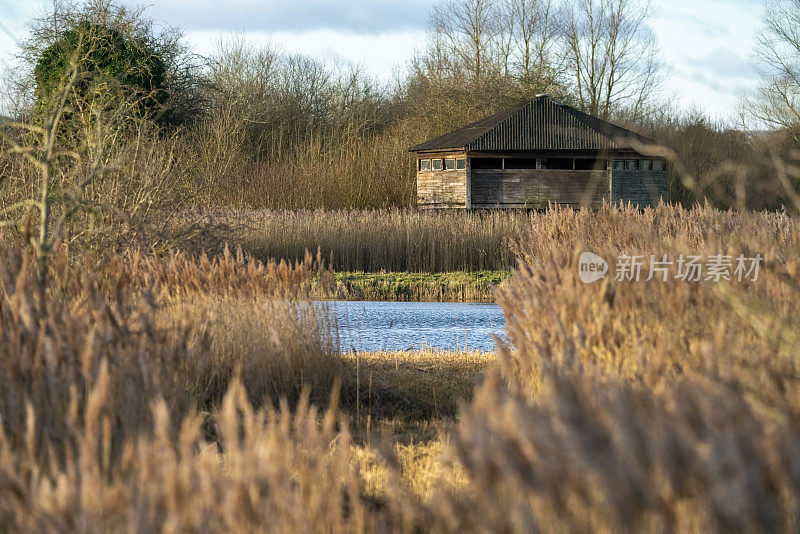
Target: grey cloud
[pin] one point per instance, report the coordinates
(724, 63)
(359, 16)
(731, 89)
(696, 24)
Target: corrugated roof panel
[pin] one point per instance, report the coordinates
(540, 124)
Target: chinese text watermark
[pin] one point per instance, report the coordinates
(687, 268)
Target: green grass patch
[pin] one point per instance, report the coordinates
(404, 286)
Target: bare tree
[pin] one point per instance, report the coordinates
(777, 100)
(506, 30)
(602, 51)
(610, 54)
(535, 32)
(466, 31)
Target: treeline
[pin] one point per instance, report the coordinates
(256, 127)
(307, 135)
(288, 131)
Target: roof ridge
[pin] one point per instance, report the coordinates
(545, 99)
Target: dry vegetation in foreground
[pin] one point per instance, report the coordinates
(615, 407)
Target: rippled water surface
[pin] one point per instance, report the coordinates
(370, 326)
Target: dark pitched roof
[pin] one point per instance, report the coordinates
(541, 124)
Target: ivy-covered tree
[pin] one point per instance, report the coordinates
(94, 162)
(120, 56)
(113, 67)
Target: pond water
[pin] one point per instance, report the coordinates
(371, 326)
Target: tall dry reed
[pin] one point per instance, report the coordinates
(620, 406)
(368, 241)
(644, 331)
(638, 406)
(277, 471)
(163, 328)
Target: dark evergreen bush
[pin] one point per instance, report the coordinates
(111, 66)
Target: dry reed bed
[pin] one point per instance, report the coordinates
(367, 241)
(621, 406)
(658, 405)
(165, 327)
(673, 326)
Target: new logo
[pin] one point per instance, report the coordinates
(591, 267)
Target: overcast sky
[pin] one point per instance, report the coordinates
(707, 44)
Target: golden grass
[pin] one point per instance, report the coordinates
(368, 241)
(141, 394)
(409, 404)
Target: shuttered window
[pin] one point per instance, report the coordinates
(486, 163)
(521, 163)
(563, 164)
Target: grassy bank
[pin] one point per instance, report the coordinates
(420, 287)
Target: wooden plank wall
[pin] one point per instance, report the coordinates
(642, 188)
(535, 188)
(442, 189)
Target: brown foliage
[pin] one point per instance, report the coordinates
(622, 406)
(162, 328)
(368, 241)
(647, 406)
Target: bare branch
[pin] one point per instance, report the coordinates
(610, 53)
(21, 204)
